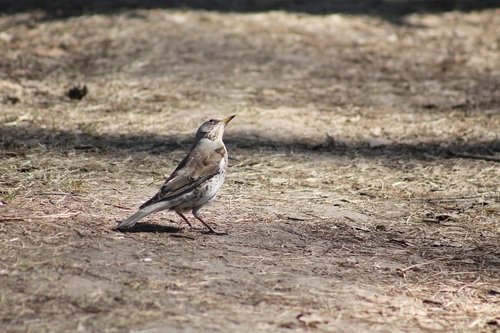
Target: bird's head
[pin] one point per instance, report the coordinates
(213, 129)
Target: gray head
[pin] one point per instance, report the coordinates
(213, 129)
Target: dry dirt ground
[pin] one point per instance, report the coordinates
(363, 189)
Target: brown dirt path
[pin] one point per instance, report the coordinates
(363, 187)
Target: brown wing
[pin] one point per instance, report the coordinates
(200, 164)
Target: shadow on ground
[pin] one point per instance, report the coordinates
(379, 241)
(151, 227)
(392, 10)
(16, 140)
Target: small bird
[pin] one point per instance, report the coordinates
(195, 181)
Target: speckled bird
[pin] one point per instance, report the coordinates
(195, 181)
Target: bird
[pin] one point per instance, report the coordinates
(195, 181)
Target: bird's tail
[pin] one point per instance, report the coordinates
(133, 219)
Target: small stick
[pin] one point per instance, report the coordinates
(476, 157)
(55, 193)
(7, 219)
(117, 206)
(456, 198)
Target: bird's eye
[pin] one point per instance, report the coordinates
(211, 121)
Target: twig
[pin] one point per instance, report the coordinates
(7, 219)
(476, 157)
(117, 206)
(457, 198)
(62, 215)
(55, 193)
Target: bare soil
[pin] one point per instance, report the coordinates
(363, 189)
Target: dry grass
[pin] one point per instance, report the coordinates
(363, 188)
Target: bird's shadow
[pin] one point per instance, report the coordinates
(151, 227)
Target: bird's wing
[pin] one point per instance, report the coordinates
(202, 163)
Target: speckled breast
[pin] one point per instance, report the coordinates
(203, 193)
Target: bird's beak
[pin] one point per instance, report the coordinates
(228, 119)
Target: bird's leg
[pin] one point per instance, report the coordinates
(211, 230)
(184, 218)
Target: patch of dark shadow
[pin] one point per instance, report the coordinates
(13, 138)
(26, 137)
(391, 10)
(488, 150)
(459, 257)
(152, 228)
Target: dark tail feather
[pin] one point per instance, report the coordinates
(134, 218)
(151, 201)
